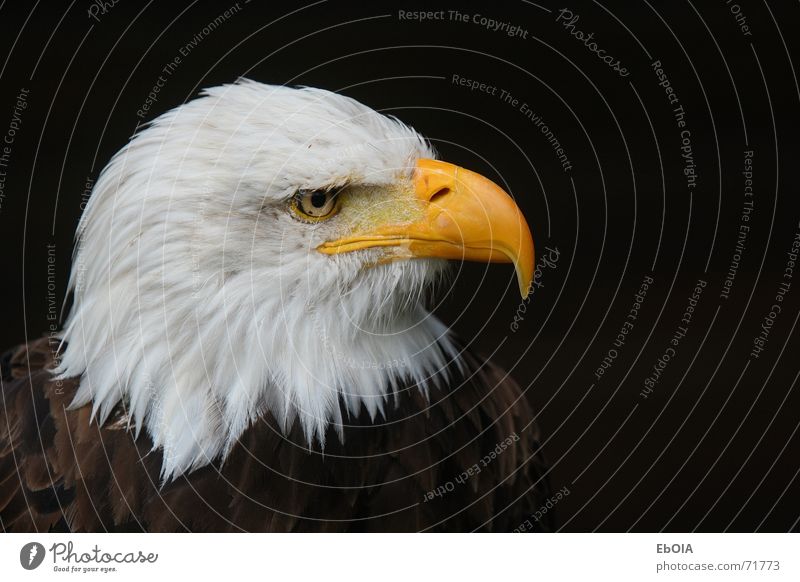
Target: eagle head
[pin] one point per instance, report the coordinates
(264, 249)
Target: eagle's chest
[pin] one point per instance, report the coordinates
(466, 459)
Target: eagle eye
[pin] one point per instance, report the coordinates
(315, 205)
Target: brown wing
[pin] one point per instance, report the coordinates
(467, 460)
(32, 496)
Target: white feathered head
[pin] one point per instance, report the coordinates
(249, 253)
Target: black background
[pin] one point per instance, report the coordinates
(714, 447)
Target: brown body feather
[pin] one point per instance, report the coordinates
(409, 472)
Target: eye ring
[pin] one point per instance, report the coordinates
(315, 205)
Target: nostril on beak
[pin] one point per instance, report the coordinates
(440, 193)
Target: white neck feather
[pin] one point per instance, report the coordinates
(196, 374)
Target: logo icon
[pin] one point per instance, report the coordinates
(31, 555)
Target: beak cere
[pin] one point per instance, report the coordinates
(465, 217)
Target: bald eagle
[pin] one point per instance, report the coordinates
(248, 347)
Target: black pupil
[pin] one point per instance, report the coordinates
(318, 199)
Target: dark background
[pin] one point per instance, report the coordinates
(714, 446)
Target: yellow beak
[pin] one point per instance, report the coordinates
(465, 216)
